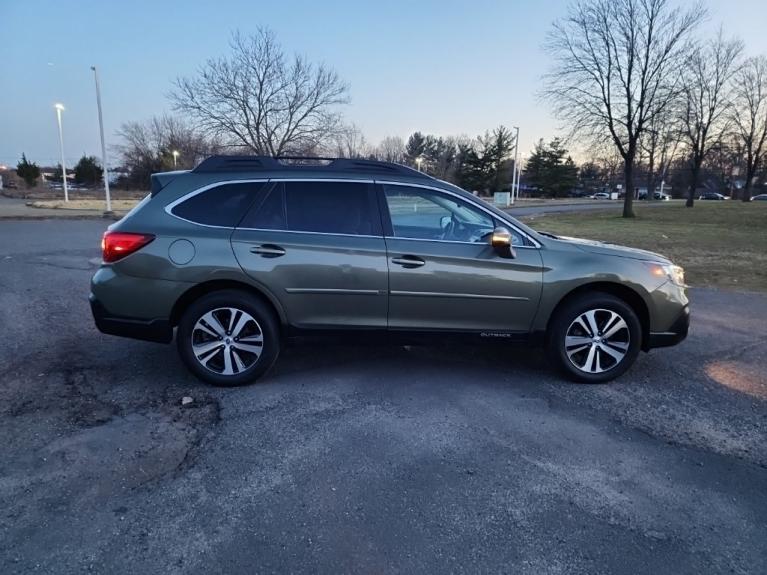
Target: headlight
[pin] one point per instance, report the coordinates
(674, 274)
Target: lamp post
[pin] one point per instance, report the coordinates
(103, 147)
(175, 158)
(59, 109)
(515, 175)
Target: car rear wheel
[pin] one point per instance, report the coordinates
(595, 338)
(228, 338)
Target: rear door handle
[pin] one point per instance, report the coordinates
(408, 261)
(268, 251)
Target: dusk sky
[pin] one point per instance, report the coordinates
(442, 67)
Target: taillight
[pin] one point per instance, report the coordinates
(117, 245)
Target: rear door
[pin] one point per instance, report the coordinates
(317, 246)
(444, 275)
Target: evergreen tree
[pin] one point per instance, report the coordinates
(88, 171)
(485, 165)
(27, 171)
(469, 173)
(415, 147)
(551, 169)
(440, 156)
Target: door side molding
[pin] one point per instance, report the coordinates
(456, 295)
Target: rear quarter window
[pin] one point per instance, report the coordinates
(222, 205)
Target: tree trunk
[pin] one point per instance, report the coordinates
(748, 186)
(628, 185)
(693, 184)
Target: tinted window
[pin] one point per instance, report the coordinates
(223, 205)
(331, 208)
(420, 213)
(270, 213)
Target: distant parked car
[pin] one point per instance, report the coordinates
(656, 196)
(712, 196)
(759, 198)
(601, 196)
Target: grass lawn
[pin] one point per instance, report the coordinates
(719, 244)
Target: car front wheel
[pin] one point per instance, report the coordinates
(228, 338)
(595, 338)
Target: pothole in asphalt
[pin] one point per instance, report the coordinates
(124, 452)
(93, 439)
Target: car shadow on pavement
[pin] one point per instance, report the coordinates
(369, 361)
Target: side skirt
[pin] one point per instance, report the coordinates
(409, 337)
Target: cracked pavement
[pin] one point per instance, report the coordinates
(355, 458)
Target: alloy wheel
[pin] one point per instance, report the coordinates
(227, 341)
(597, 340)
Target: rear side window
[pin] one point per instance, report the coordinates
(324, 207)
(223, 205)
(269, 214)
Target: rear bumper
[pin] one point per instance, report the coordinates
(157, 330)
(675, 334)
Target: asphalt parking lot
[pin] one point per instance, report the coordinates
(368, 458)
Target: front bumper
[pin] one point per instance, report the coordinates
(157, 330)
(675, 334)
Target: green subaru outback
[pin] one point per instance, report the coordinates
(242, 253)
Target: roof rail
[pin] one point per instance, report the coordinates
(237, 164)
(268, 163)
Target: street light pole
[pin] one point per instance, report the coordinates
(515, 175)
(59, 109)
(103, 146)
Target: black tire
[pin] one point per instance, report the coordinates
(567, 316)
(218, 302)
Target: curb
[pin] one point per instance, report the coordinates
(553, 205)
(63, 216)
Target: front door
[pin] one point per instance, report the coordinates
(317, 247)
(444, 275)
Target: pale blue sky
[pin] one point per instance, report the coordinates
(443, 67)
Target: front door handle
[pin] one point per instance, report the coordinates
(408, 261)
(268, 251)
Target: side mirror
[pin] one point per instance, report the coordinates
(500, 239)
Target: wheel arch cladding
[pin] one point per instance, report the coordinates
(199, 290)
(622, 292)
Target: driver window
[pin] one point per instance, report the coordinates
(420, 213)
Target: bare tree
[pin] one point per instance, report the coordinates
(391, 149)
(660, 142)
(749, 116)
(147, 147)
(259, 98)
(707, 92)
(349, 142)
(615, 63)
(723, 163)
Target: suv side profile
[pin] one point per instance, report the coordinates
(244, 252)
